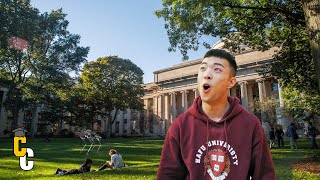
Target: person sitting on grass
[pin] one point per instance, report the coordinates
(85, 167)
(116, 161)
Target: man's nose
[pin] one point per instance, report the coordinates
(207, 75)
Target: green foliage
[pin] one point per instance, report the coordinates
(35, 72)
(110, 83)
(299, 104)
(115, 81)
(260, 25)
(266, 110)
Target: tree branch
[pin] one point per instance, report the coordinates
(294, 17)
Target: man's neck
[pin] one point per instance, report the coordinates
(215, 111)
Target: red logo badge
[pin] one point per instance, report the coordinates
(217, 162)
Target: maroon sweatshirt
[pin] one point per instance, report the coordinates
(199, 148)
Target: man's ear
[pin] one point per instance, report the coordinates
(232, 82)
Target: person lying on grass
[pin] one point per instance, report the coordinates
(116, 161)
(85, 167)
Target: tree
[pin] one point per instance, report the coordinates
(259, 24)
(112, 83)
(299, 104)
(40, 65)
(266, 110)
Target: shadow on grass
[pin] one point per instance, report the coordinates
(142, 156)
(284, 158)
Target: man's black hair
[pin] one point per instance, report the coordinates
(224, 55)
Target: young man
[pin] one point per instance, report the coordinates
(216, 138)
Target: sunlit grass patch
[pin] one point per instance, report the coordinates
(142, 156)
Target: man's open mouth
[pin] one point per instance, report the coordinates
(206, 88)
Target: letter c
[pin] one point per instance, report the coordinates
(16, 150)
(23, 160)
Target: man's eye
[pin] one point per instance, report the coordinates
(217, 70)
(202, 68)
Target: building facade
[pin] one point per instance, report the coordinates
(174, 90)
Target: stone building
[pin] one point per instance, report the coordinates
(174, 89)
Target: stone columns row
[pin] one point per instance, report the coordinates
(246, 92)
(165, 107)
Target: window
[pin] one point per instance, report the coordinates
(275, 87)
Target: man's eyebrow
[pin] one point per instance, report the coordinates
(218, 64)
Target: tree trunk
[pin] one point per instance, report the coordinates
(311, 10)
(92, 116)
(34, 120)
(109, 125)
(110, 122)
(16, 110)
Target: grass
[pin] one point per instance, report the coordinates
(284, 158)
(142, 156)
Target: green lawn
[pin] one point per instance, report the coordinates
(284, 157)
(142, 156)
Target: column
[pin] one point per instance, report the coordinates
(262, 89)
(129, 127)
(262, 96)
(244, 94)
(184, 97)
(284, 118)
(196, 93)
(137, 125)
(173, 107)
(155, 114)
(3, 114)
(146, 116)
(250, 98)
(167, 111)
(161, 114)
(280, 90)
(121, 122)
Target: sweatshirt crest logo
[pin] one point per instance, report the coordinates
(217, 164)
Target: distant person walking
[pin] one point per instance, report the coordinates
(279, 134)
(313, 134)
(271, 137)
(293, 136)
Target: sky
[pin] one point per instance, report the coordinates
(126, 28)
